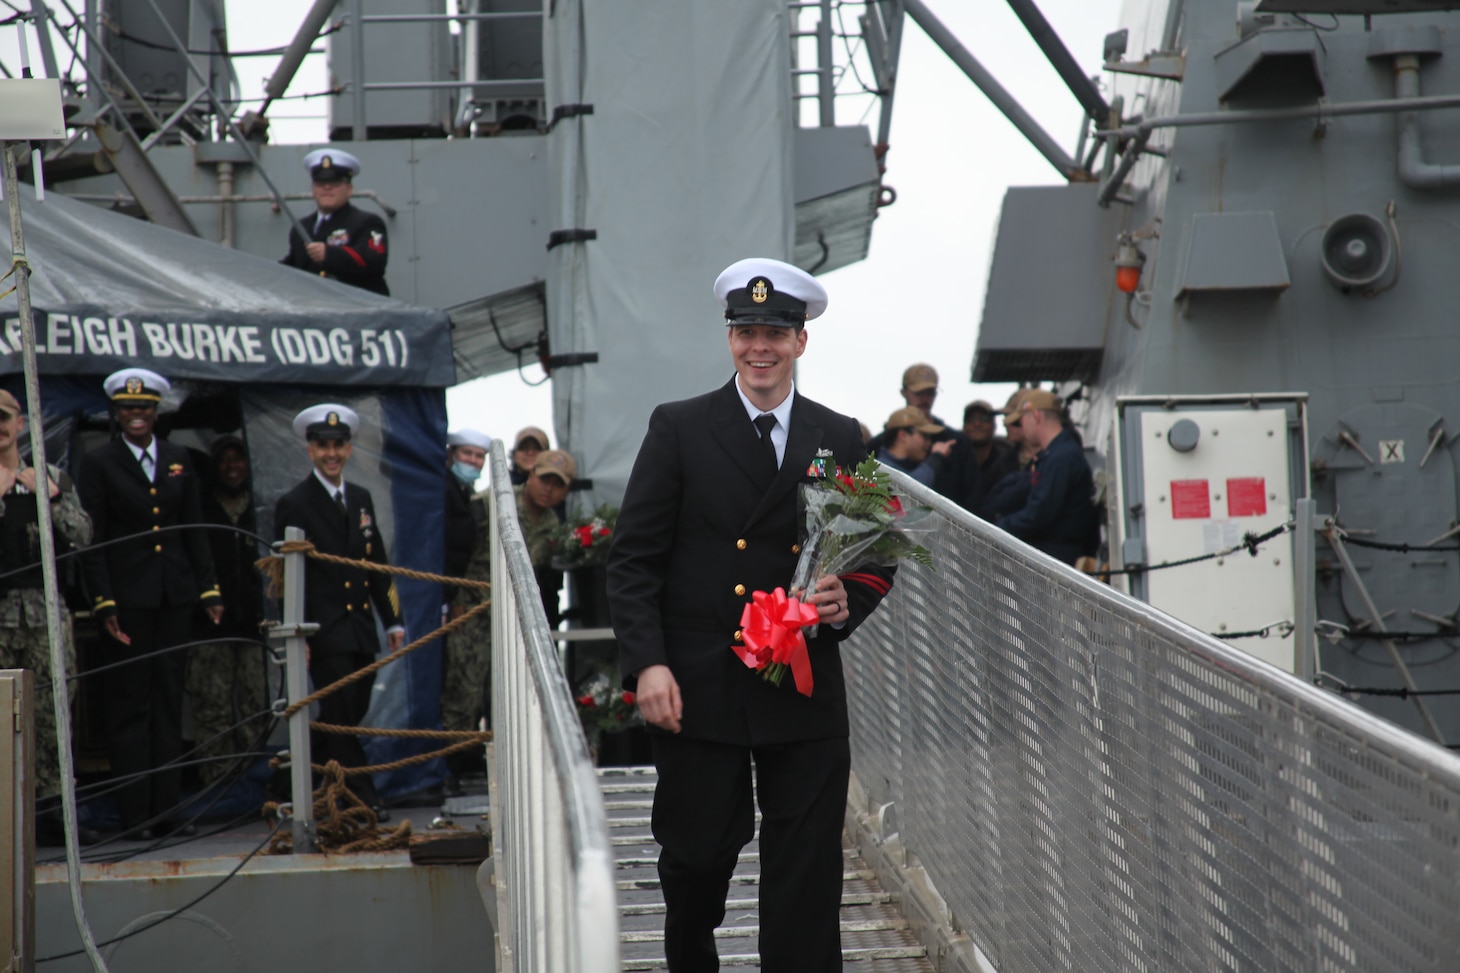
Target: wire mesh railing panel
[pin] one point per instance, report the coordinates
(558, 905)
(1094, 786)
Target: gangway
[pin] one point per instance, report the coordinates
(1047, 775)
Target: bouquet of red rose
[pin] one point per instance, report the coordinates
(855, 519)
(603, 708)
(583, 541)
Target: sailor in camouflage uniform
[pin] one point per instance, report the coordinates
(467, 660)
(539, 511)
(226, 679)
(23, 639)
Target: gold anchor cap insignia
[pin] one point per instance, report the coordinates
(134, 385)
(760, 290)
(333, 418)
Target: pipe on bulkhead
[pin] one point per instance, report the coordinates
(225, 205)
(1414, 171)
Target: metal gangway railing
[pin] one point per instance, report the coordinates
(1072, 780)
(556, 899)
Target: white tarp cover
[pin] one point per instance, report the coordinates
(683, 167)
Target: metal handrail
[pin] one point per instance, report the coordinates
(1090, 783)
(556, 897)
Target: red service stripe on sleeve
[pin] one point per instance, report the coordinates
(877, 584)
(357, 258)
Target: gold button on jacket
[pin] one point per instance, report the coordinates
(740, 589)
(740, 545)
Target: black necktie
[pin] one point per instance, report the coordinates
(147, 464)
(765, 422)
(340, 502)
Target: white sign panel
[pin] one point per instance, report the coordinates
(30, 108)
(1233, 482)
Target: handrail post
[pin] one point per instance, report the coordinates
(296, 681)
(1305, 609)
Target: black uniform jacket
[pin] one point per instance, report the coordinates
(173, 568)
(337, 598)
(703, 525)
(354, 252)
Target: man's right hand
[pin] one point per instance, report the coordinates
(658, 698)
(114, 629)
(7, 479)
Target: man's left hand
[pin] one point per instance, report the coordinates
(215, 614)
(394, 640)
(830, 599)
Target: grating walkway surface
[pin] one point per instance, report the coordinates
(875, 936)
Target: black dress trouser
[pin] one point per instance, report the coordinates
(144, 710)
(343, 707)
(704, 814)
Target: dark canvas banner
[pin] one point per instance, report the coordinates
(385, 347)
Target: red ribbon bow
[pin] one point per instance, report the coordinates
(771, 629)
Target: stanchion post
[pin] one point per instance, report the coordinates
(296, 681)
(1305, 608)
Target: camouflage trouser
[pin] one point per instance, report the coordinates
(466, 679)
(225, 682)
(27, 648)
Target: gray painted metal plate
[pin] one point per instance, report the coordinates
(1233, 252)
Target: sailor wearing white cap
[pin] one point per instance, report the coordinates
(145, 589)
(338, 518)
(466, 454)
(759, 290)
(709, 517)
(345, 243)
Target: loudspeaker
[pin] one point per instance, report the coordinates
(1356, 250)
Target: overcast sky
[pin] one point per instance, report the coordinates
(919, 295)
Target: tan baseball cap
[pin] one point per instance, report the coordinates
(555, 462)
(920, 378)
(8, 403)
(531, 432)
(1028, 400)
(910, 417)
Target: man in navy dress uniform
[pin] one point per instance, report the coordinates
(345, 243)
(338, 518)
(146, 591)
(710, 515)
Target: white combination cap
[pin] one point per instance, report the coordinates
(325, 165)
(135, 385)
(328, 420)
(469, 437)
(759, 290)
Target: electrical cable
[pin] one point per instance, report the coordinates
(180, 909)
(1250, 543)
(103, 545)
(1331, 27)
(166, 841)
(1401, 548)
(265, 52)
(181, 646)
